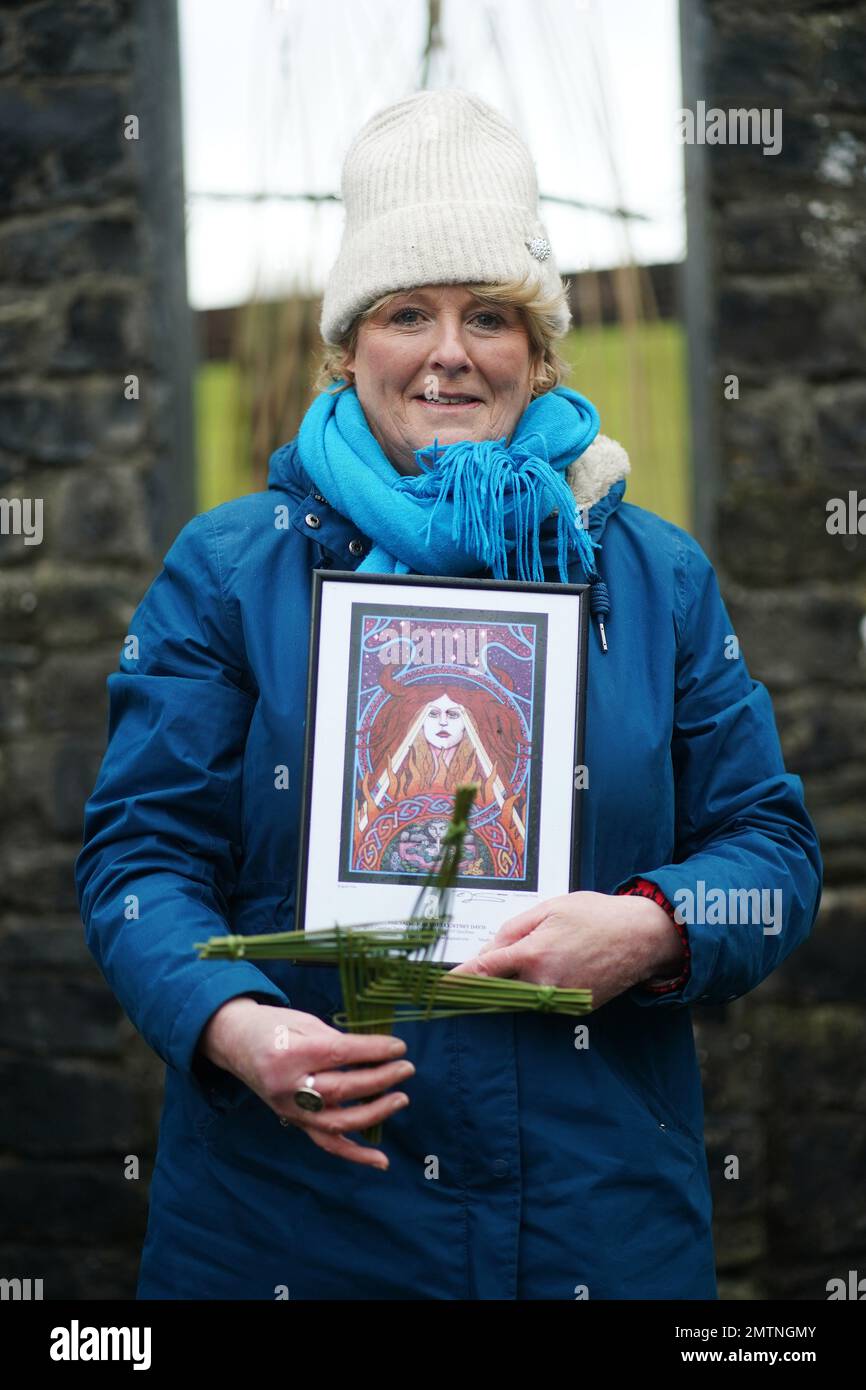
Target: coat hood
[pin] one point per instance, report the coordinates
(591, 477)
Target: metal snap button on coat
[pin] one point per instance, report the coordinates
(319, 498)
(356, 547)
(312, 520)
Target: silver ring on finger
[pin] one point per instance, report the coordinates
(306, 1097)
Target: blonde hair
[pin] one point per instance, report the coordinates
(538, 312)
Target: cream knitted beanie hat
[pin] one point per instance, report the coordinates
(438, 188)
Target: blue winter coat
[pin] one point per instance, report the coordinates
(560, 1171)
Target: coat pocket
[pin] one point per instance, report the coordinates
(653, 1102)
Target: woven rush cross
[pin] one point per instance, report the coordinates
(391, 972)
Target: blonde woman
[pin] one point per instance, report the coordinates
(524, 1158)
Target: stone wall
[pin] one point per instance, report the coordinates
(782, 239)
(91, 294)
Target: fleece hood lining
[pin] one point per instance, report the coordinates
(602, 464)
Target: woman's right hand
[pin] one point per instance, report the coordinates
(274, 1049)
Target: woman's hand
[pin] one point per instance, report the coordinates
(272, 1050)
(595, 941)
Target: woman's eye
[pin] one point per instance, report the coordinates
(400, 312)
(497, 319)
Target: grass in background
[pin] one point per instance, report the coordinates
(648, 418)
(223, 465)
(651, 420)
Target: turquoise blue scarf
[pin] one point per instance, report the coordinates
(472, 505)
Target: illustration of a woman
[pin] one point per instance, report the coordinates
(442, 753)
(431, 736)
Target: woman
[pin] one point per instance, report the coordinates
(527, 1157)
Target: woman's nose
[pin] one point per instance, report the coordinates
(449, 349)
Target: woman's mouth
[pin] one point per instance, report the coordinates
(446, 402)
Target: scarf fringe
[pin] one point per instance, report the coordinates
(498, 497)
(494, 491)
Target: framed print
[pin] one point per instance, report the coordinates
(416, 685)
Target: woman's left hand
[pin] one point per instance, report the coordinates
(594, 941)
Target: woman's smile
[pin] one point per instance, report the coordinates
(451, 406)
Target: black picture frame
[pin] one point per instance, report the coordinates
(446, 586)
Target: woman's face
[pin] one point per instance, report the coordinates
(443, 723)
(437, 342)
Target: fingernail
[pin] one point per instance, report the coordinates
(400, 1101)
(397, 1048)
(407, 1069)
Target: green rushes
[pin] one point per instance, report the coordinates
(389, 975)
